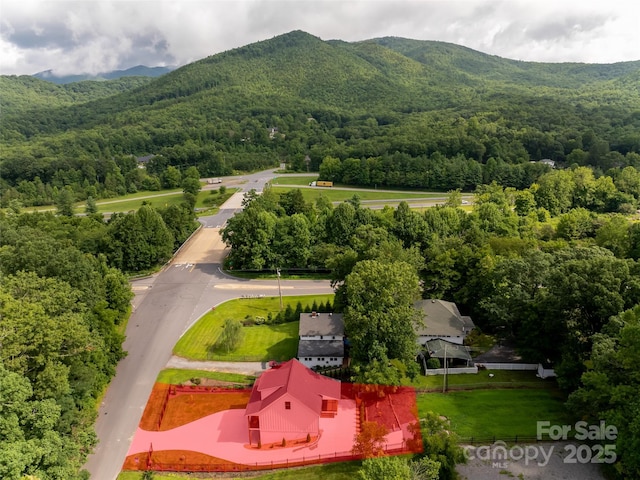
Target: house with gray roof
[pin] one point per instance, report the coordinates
(321, 339)
(442, 320)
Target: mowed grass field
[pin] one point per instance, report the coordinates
(160, 199)
(292, 180)
(482, 380)
(500, 413)
(332, 471)
(311, 194)
(175, 376)
(260, 342)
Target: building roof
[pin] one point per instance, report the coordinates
(144, 159)
(438, 348)
(295, 380)
(442, 318)
(320, 348)
(328, 324)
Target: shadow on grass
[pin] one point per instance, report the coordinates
(283, 350)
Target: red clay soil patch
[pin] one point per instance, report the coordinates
(179, 460)
(391, 407)
(170, 407)
(153, 411)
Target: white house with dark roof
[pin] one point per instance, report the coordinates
(442, 320)
(321, 339)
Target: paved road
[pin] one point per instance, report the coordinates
(166, 305)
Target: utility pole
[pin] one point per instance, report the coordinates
(444, 382)
(279, 289)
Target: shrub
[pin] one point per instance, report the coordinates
(433, 363)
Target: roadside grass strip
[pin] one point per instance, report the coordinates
(504, 414)
(332, 471)
(177, 376)
(311, 194)
(292, 180)
(484, 379)
(260, 343)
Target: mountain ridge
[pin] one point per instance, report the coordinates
(284, 81)
(137, 71)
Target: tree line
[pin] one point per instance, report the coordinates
(64, 303)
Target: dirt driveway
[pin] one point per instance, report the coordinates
(205, 246)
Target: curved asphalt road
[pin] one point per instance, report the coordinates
(166, 305)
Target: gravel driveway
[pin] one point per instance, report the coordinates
(245, 368)
(555, 469)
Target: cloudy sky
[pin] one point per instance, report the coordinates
(94, 36)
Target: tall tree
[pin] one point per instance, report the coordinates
(380, 318)
(609, 389)
(64, 202)
(231, 336)
(139, 240)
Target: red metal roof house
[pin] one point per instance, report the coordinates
(288, 401)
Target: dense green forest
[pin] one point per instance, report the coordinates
(64, 303)
(392, 112)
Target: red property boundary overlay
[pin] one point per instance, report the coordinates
(170, 406)
(393, 407)
(187, 461)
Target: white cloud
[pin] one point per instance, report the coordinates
(93, 36)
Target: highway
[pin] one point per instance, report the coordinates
(165, 306)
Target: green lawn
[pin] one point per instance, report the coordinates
(159, 199)
(260, 343)
(499, 413)
(176, 376)
(482, 380)
(285, 180)
(331, 471)
(205, 199)
(311, 194)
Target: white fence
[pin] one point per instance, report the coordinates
(508, 366)
(451, 370)
(542, 372)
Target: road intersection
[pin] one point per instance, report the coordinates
(165, 306)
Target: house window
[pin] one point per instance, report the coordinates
(254, 421)
(287, 405)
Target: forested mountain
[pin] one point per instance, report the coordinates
(400, 108)
(24, 94)
(138, 71)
